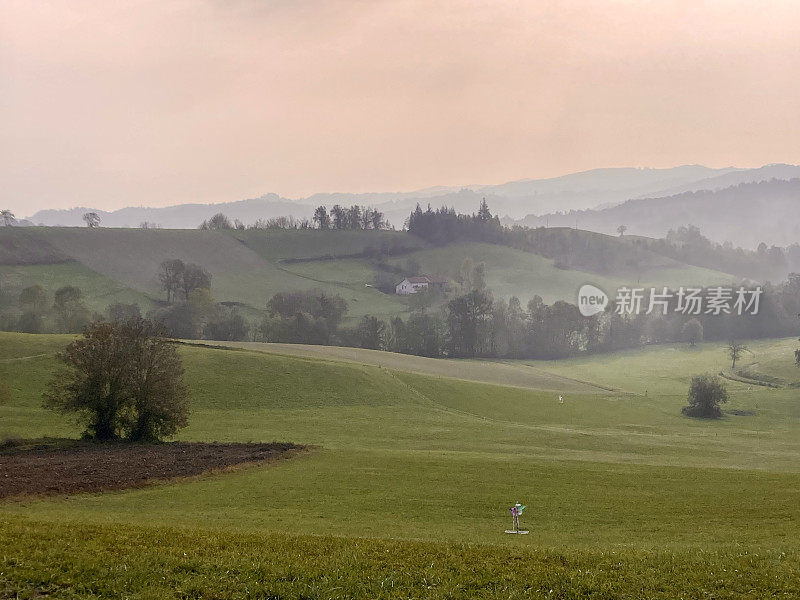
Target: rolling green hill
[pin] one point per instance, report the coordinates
(511, 272)
(250, 266)
(100, 290)
(410, 464)
(131, 257)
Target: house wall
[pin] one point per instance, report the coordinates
(406, 287)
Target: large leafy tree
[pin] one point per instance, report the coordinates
(94, 382)
(122, 379)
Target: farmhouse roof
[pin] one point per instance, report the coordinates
(436, 279)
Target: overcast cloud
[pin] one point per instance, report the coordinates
(107, 104)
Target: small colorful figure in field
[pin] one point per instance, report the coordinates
(516, 511)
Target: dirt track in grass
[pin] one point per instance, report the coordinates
(58, 468)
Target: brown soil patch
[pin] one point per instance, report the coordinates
(70, 467)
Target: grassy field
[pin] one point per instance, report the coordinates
(407, 489)
(512, 373)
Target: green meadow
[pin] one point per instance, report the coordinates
(406, 489)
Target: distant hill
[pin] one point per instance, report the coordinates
(180, 216)
(514, 200)
(744, 214)
(587, 189)
(248, 267)
(765, 173)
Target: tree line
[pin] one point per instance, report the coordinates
(594, 252)
(467, 322)
(38, 312)
(338, 218)
(473, 323)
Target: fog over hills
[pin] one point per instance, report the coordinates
(745, 214)
(596, 189)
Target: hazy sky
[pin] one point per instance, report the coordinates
(107, 104)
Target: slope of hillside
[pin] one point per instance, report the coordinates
(250, 266)
(406, 489)
(606, 469)
(181, 216)
(511, 272)
(294, 244)
(733, 177)
(132, 257)
(99, 290)
(512, 373)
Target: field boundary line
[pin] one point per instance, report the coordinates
(222, 345)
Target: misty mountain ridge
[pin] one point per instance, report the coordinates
(744, 215)
(518, 201)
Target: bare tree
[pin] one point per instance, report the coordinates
(735, 351)
(622, 229)
(218, 221)
(171, 277)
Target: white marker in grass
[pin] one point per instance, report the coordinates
(516, 511)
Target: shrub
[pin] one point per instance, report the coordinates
(706, 393)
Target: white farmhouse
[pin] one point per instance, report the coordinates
(412, 285)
